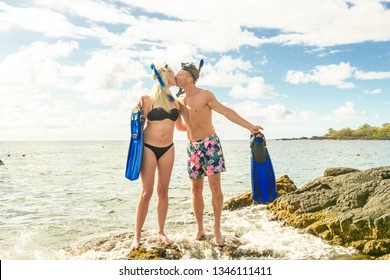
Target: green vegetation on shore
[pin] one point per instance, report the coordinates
(365, 132)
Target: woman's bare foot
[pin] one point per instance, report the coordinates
(134, 245)
(200, 235)
(164, 238)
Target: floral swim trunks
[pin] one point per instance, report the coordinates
(205, 157)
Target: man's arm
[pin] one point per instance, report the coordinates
(230, 114)
(180, 124)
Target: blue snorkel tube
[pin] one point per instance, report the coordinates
(161, 82)
(201, 62)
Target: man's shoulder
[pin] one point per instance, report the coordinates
(206, 93)
(202, 90)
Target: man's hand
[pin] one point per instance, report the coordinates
(256, 129)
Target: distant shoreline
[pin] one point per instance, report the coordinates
(364, 132)
(327, 138)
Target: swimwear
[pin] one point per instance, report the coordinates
(205, 157)
(159, 114)
(158, 151)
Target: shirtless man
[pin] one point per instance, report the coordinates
(205, 156)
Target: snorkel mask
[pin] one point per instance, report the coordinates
(191, 68)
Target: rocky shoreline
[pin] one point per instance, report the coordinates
(345, 206)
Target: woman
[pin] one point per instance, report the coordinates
(162, 115)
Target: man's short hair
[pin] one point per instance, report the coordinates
(191, 68)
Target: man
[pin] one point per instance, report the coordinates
(204, 149)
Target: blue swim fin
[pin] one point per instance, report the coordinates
(262, 172)
(136, 148)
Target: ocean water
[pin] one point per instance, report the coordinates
(56, 195)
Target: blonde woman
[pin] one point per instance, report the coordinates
(162, 115)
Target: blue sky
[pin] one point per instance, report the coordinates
(72, 70)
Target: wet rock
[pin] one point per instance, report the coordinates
(283, 185)
(101, 244)
(345, 207)
(336, 171)
(157, 253)
(117, 246)
(152, 249)
(244, 200)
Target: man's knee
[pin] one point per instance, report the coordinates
(217, 194)
(197, 187)
(197, 192)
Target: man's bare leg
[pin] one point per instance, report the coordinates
(198, 205)
(217, 202)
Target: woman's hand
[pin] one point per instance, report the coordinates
(144, 101)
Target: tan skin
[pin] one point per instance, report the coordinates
(196, 109)
(158, 134)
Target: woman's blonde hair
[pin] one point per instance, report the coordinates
(161, 95)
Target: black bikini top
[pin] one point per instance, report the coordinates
(159, 114)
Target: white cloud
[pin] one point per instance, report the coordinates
(226, 72)
(231, 72)
(276, 119)
(97, 11)
(374, 91)
(346, 112)
(272, 114)
(131, 96)
(223, 78)
(63, 120)
(372, 75)
(226, 63)
(34, 69)
(41, 20)
(255, 88)
(20, 113)
(327, 23)
(333, 75)
(220, 36)
(104, 75)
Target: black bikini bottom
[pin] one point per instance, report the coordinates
(158, 151)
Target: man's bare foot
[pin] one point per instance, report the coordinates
(218, 239)
(134, 245)
(164, 238)
(200, 235)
